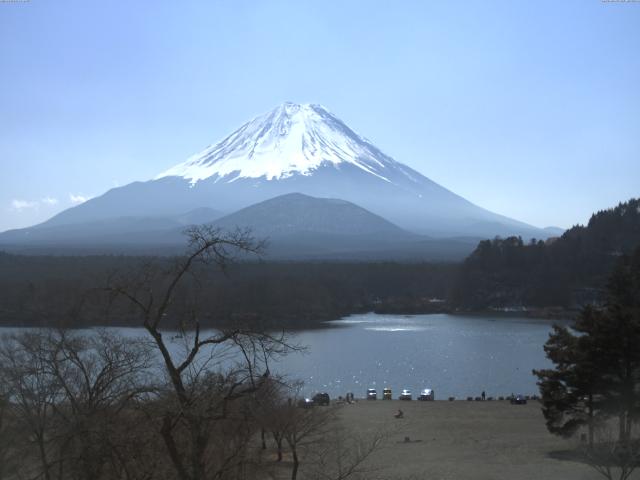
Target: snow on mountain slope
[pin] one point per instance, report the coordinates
(291, 139)
(299, 149)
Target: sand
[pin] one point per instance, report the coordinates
(464, 440)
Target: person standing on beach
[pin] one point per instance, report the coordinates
(483, 396)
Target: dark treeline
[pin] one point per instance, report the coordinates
(567, 272)
(50, 290)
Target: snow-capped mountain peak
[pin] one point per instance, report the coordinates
(297, 149)
(292, 139)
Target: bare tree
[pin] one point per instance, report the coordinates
(271, 413)
(99, 376)
(610, 457)
(320, 446)
(275, 419)
(70, 392)
(214, 369)
(32, 393)
(305, 428)
(8, 434)
(341, 455)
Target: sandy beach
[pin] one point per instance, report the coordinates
(464, 440)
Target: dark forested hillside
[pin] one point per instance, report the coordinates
(50, 290)
(568, 271)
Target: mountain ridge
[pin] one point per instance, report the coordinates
(295, 226)
(296, 212)
(305, 149)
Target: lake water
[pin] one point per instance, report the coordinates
(456, 355)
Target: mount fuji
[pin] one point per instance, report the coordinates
(295, 148)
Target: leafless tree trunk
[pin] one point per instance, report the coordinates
(8, 434)
(609, 456)
(304, 427)
(70, 392)
(198, 401)
(342, 456)
(278, 438)
(33, 392)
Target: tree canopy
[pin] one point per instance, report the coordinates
(596, 374)
(569, 271)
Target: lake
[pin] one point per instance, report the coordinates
(456, 355)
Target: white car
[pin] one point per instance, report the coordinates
(405, 394)
(427, 395)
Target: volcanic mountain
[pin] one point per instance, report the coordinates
(294, 149)
(301, 227)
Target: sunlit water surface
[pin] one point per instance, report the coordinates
(456, 355)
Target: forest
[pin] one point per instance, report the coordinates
(565, 273)
(69, 291)
(568, 272)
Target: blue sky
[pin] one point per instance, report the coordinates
(528, 108)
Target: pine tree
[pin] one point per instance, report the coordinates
(618, 335)
(569, 392)
(597, 362)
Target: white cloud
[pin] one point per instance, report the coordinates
(77, 199)
(20, 205)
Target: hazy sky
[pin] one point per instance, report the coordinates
(528, 108)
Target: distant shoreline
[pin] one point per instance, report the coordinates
(541, 314)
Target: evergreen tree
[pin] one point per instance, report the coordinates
(568, 271)
(570, 391)
(618, 337)
(597, 361)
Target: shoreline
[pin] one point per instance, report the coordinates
(541, 314)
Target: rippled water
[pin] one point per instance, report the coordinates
(455, 355)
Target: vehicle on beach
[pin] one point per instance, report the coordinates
(518, 400)
(321, 399)
(306, 403)
(386, 394)
(427, 394)
(372, 394)
(405, 395)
